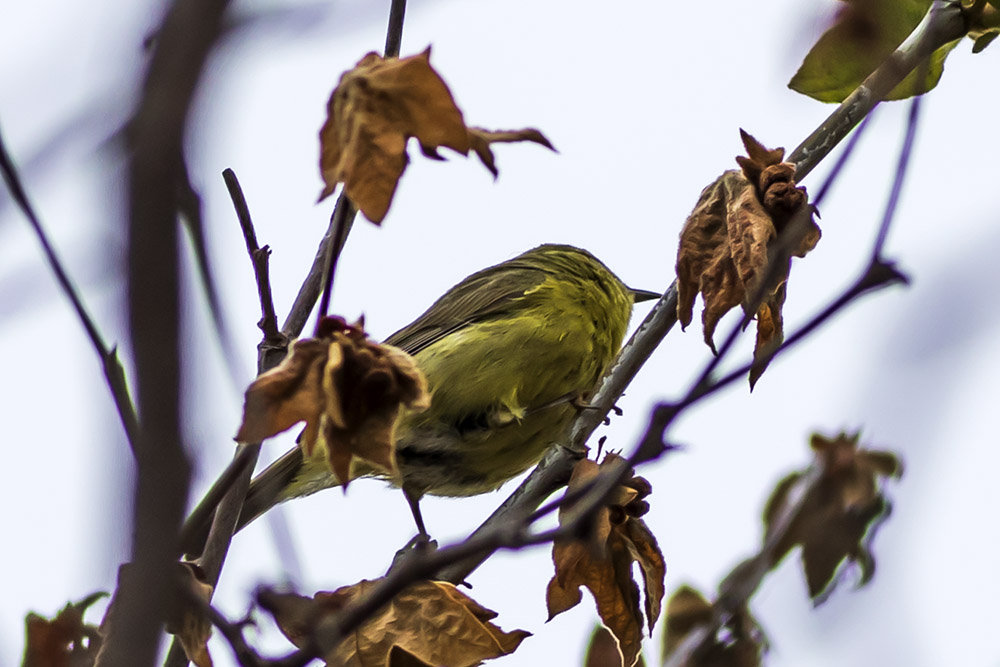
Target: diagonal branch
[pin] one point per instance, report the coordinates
(947, 25)
(740, 585)
(114, 373)
(508, 526)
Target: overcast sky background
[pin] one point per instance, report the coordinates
(643, 101)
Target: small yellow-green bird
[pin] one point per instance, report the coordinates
(503, 352)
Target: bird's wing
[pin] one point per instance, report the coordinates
(482, 296)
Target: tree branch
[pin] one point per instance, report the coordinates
(341, 220)
(274, 342)
(508, 526)
(740, 585)
(233, 484)
(114, 373)
(156, 133)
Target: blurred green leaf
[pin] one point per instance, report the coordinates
(983, 41)
(864, 33)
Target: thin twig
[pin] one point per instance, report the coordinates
(342, 219)
(344, 211)
(245, 654)
(737, 588)
(274, 343)
(191, 537)
(312, 286)
(114, 373)
(394, 34)
(225, 498)
(838, 166)
(897, 182)
(189, 206)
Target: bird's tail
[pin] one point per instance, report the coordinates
(266, 490)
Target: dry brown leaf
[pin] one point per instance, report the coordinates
(64, 641)
(603, 563)
(729, 239)
(347, 389)
(372, 113)
(480, 140)
(189, 623)
(839, 514)
(431, 621)
(688, 609)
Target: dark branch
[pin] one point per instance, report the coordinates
(114, 373)
(312, 286)
(838, 166)
(897, 183)
(394, 34)
(341, 220)
(156, 135)
(274, 343)
(189, 206)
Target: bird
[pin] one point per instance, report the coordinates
(508, 354)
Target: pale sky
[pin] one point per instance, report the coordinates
(644, 102)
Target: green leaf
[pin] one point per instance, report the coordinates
(983, 41)
(863, 35)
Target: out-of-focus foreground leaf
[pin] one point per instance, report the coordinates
(985, 24)
(64, 641)
(742, 646)
(838, 516)
(864, 33)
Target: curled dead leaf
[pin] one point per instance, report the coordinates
(347, 389)
(602, 561)
(430, 622)
(480, 140)
(374, 111)
(742, 223)
(187, 621)
(64, 641)
(740, 644)
(839, 515)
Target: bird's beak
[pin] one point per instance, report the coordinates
(639, 295)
